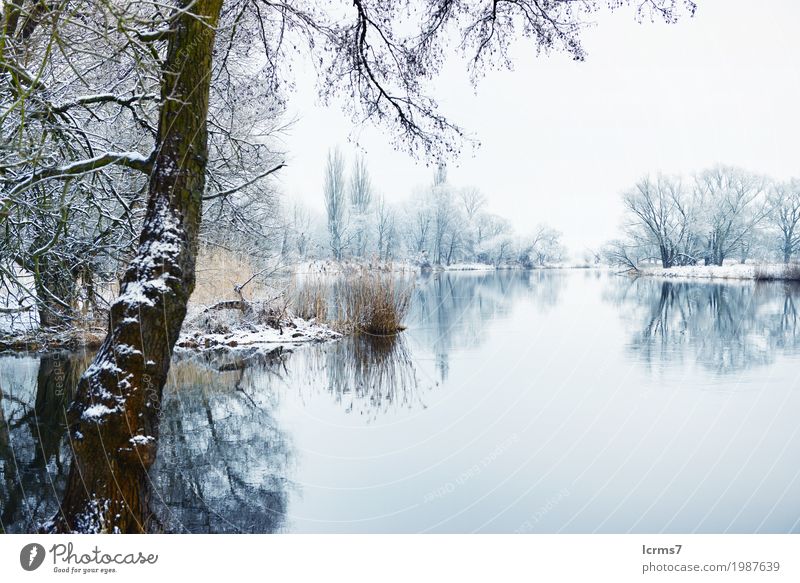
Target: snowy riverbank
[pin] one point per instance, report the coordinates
(760, 272)
(282, 335)
(230, 329)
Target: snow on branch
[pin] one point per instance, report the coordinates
(133, 160)
(102, 98)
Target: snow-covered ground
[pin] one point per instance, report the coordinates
(201, 334)
(733, 271)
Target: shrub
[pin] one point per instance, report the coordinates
(374, 303)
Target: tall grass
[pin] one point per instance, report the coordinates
(311, 300)
(360, 300)
(219, 271)
(373, 302)
(789, 272)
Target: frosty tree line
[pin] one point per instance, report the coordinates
(438, 224)
(720, 214)
(132, 129)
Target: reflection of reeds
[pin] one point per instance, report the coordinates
(377, 370)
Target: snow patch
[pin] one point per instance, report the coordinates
(292, 332)
(733, 271)
(97, 411)
(141, 439)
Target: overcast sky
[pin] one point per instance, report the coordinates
(561, 140)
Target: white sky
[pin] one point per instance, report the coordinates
(560, 140)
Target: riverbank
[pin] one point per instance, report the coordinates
(251, 328)
(314, 302)
(753, 272)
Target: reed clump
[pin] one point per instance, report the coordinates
(358, 300)
(311, 300)
(373, 302)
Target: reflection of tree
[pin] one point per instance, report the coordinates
(33, 448)
(222, 459)
(451, 311)
(725, 327)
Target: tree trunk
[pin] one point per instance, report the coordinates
(114, 419)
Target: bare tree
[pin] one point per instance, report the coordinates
(336, 203)
(784, 215)
(733, 204)
(360, 203)
(660, 209)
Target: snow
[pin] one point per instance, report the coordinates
(104, 365)
(154, 254)
(293, 332)
(96, 412)
(125, 350)
(138, 293)
(141, 439)
(732, 271)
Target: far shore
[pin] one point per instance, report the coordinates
(738, 271)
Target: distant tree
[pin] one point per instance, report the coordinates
(301, 229)
(360, 204)
(542, 248)
(660, 212)
(472, 202)
(783, 202)
(385, 223)
(732, 203)
(418, 221)
(440, 175)
(336, 203)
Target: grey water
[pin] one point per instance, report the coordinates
(543, 401)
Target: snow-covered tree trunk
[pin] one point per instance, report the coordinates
(114, 419)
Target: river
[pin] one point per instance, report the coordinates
(543, 401)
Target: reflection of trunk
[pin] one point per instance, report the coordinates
(114, 419)
(54, 387)
(10, 504)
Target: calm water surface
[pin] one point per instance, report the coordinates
(548, 401)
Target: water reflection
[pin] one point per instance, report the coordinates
(452, 311)
(222, 461)
(34, 394)
(366, 374)
(725, 327)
